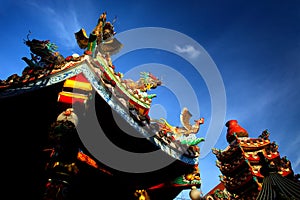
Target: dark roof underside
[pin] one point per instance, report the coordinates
(276, 186)
(25, 121)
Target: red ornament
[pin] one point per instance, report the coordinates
(234, 128)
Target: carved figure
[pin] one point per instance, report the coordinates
(141, 195)
(146, 82)
(101, 36)
(43, 52)
(265, 134)
(193, 175)
(68, 115)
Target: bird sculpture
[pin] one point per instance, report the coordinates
(186, 129)
(189, 128)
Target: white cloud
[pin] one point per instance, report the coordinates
(63, 28)
(63, 23)
(189, 50)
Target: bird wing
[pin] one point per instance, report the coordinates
(185, 117)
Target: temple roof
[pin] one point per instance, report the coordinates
(253, 167)
(276, 186)
(30, 104)
(220, 186)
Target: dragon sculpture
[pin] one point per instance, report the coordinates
(44, 53)
(147, 82)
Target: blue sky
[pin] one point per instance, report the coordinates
(255, 46)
